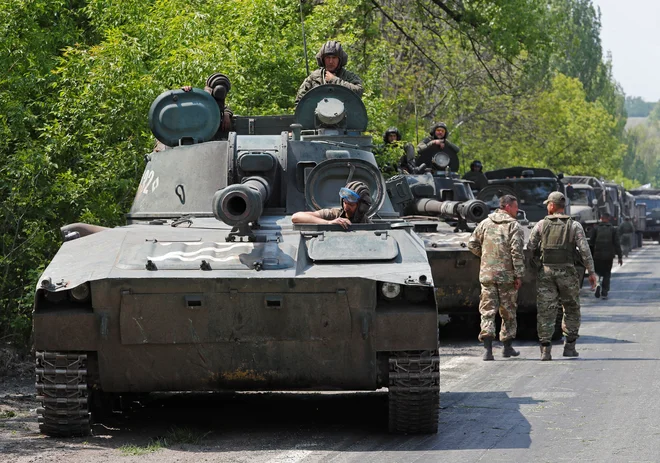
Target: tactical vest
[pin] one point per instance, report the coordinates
(604, 242)
(558, 241)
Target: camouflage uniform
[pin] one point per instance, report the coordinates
(343, 77)
(558, 284)
(498, 240)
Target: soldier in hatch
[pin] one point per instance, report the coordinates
(355, 203)
(331, 59)
(435, 143)
(498, 240)
(476, 175)
(558, 283)
(604, 240)
(393, 148)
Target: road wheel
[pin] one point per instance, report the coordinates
(414, 392)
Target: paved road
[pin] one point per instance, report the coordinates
(600, 407)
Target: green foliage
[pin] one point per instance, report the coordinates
(637, 107)
(516, 81)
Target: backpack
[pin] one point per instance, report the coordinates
(604, 241)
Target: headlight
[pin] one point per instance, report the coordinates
(390, 290)
(80, 293)
(441, 160)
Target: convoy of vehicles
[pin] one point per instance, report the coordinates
(210, 286)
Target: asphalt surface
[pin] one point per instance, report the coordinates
(603, 406)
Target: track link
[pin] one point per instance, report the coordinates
(61, 382)
(414, 392)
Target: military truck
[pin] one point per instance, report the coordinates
(211, 287)
(652, 225)
(584, 205)
(605, 202)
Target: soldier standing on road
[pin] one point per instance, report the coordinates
(604, 240)
(331, 59)
(627, 233)
(498, 240)
(558, 283)
(476, 175)
(355, 203)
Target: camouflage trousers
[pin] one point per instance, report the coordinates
(496, 297)
(558, 287)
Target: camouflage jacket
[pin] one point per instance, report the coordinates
(344, 78)
(498, 240)
(580, 241)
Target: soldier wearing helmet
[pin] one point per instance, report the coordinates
(476, 175)
(437, 142)
(355, 203)
(332, 60)
(395, 155)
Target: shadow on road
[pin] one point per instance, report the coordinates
(355, 422)
(483, 420)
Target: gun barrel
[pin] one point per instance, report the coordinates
(241, 204)
(472, 210)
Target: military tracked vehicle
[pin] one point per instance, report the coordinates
(211, 287)
(444, 211)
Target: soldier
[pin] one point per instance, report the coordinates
(393, 148)
(331, 59)
(627, 234)
(355, 203)
(476, 175)
(558, 283)
(498, 240)
(434, 143)
(604, 241)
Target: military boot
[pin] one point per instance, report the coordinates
(508, 350)
(488, 346)
(546, 349)
(569, 349)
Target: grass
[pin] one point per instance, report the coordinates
(175, 436)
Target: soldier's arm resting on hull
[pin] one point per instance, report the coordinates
(516, 241)
(474, 243)
(315, 217)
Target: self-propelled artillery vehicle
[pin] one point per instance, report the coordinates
(211, 287)
(444, 211)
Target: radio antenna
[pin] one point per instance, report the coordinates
(302, 23)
